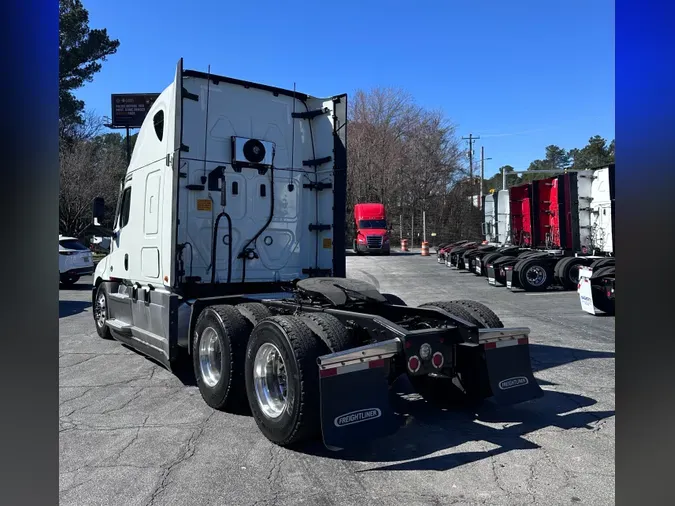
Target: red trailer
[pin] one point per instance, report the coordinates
(521, 215)
(547, 200)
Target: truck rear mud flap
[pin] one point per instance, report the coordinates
(501, 368)
(509, 371)
(355, 402)
(491, 275)
(511, 278)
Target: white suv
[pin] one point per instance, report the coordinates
(75, 260)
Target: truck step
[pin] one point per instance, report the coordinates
(119, 296)
(119, 326)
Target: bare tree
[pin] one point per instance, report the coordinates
(88, 168)
(403, 156)
(90, 127)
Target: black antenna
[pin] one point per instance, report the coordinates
(290, 185)
(206, 123)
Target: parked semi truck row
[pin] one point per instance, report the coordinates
(555, 227)
(571, 225)
(495, 229)
(229, 257)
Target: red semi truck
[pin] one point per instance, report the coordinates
(370, 226)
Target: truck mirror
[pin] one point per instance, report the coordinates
(98, 210)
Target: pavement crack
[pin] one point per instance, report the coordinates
(87, 390)
(493, 464)
(135, 396)
(73, 487)
(278, 456)
(93, 356)
(187, 453)
(133, 440)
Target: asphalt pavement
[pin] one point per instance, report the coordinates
(132, 433)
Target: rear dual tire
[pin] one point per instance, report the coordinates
(244, 355)
(286, 409)
(218, 352)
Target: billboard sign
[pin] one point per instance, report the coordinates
(129, 109)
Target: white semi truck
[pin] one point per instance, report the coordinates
(228, 251)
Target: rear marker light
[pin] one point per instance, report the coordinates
(437, 360)
(414, 364)
(425, 351)
(328, 372)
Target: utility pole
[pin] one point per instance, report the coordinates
(424, 226)
(482, 175)
(471, 140)
(129, 147)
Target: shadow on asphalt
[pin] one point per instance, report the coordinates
(545, 357)
(431, 430)
(427, 429)
(72, 307)
(78, 287)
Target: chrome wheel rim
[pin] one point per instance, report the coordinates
(100, 313)
(270, 380)
(210, 356)
(536, 275)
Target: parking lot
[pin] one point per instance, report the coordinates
(131, 433)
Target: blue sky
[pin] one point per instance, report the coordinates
(521, 74)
